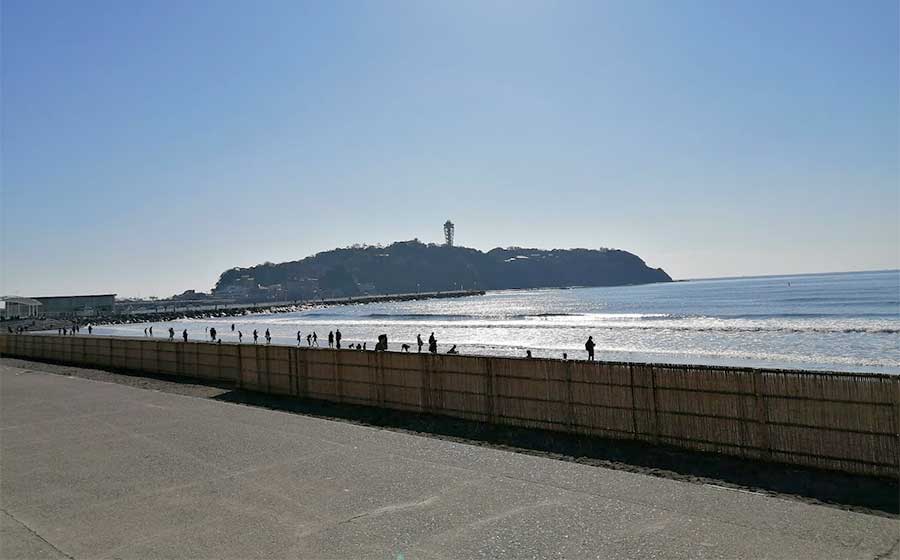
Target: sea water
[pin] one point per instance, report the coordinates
(843, 322)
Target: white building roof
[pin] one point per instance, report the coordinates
(20, 300)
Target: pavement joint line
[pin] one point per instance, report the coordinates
(36, 534)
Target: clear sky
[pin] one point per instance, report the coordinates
(149, 145)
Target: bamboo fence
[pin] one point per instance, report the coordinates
(838, 421)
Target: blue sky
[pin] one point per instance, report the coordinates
(149, 145)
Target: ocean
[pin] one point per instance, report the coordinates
(840, 322)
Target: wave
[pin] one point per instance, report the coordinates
(425, 316)
(583, 326)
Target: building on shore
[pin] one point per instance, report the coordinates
(77, 306)
(13, 307)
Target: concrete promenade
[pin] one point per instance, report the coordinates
(100, 470)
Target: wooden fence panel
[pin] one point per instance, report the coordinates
(848, 422)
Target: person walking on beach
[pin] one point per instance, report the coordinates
(309, 340)
(298, 338)
(589, 346)
(419, 342)
(255, 336)
(90, 329)
(171, 334)
(315, 339)
(184, 335)
(432, 344)
(145, 331)
(240, 337)
(151, 331)
(268, 337)
(212, 333)
(337, 338)
(330, 339)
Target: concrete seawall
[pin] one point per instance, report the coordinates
(836, 421)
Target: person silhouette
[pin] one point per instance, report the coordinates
(432, 344)
(419, 341)
(171, 333)
(299, 339)
(309, 340)
(151, 331)
(255, 336)
(232, 327)
(90, 329)
(315, 339)
(268, 337)
(337, 338)
(589, 346)
(240, 337)
(331, 339)
(184, 335)
(528, 354)
(212, 334)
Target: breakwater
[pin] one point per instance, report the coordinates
(837, 421)
(172, 310)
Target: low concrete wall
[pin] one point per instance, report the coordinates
(844, 422)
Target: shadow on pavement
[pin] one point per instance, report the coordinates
(854, 492)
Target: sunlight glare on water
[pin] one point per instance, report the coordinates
(847, 322)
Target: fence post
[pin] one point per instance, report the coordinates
(380, 390)
(268, 370)
(896, 382)
(489, 390)
(762, 414)
(305, 359)
(653, 411)
(425, 361)
(570, 400)
(634, 428)
(337, 377)
(240, 371)
(292, 371)
(219, 374)
(256, 384)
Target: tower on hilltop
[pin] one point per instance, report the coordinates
(449, 229)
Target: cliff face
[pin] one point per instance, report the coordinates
(411, 266)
